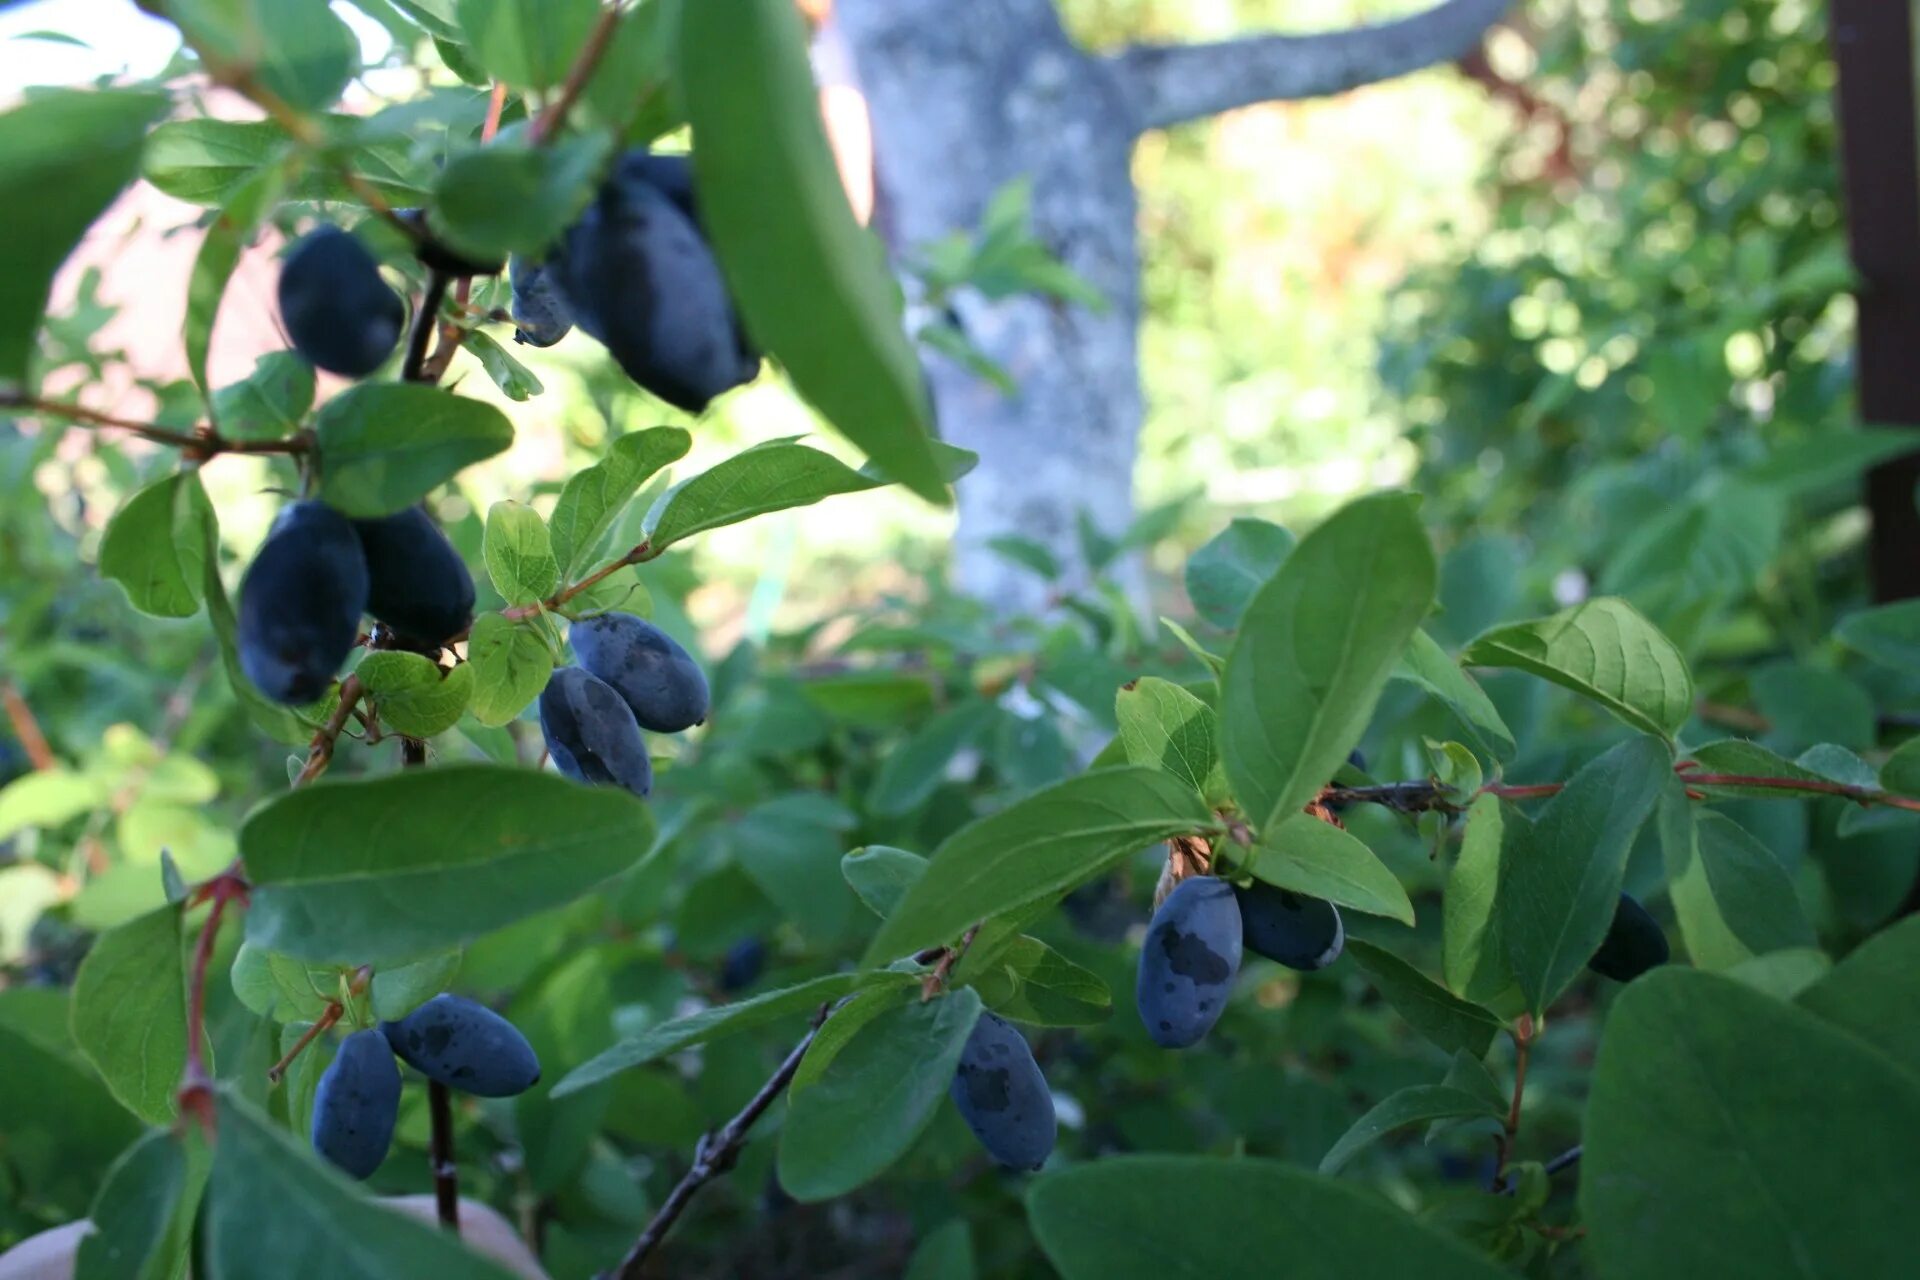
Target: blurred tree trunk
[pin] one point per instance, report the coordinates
(966, 98)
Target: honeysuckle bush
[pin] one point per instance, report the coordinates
(755, 984)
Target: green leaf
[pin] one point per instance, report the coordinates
(1317, 858)
(878, 699)
(768, 477)
(1315, 648)
(530, 44)
(511, 665)
(415, 696)
(881, 876)
(73, 150)
(945, 1253)
(1224, 575)
(1730, 1134)
(842, 1025)
(47, 798)
(913, 770)
(281, 987)
(155, 546)
(400, 989)
(1810, 705)
(272, 1200)
(1783, 974)
(1417, 1104)
(594, 498)
(1031, 982)
(1874, 991)
(1037, 848)
(1890, 634)
(351, 872)
(519, 554)
(205, 161)
(723, 1020)
(1025, 552)
(1602, 650)
(1211, 661)
(1427, 665)
(269, 403)
(631, 91)
(1475, 953)
(514, 197)
(1560, 876)
(1829, 457)
(213, 267)
(812, 286)
(57, 1115)
(1111, 1220)
(1732, 897)
(515, 380)
(1432, 1010)
(875, 1097)
(384, 445)
(143, 1216)
(301, 51)
(1164, 727)
(130, 1012)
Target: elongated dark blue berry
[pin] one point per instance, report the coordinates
(640, 278)
(1292, 928)
(591, 733)
(660, 680)
(541, 315)
(740, 968)
(301, 602)
(1634, 943)
(1003, 1097)
(465, 1046)
(1188, 962)
(416, 582)
(339, 313)
(356, 1103)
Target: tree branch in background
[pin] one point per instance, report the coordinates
(598, 41)
(25, 727)
(201, 442)
(714, 1156)
(1170, 84)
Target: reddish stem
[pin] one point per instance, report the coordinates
(25, 727)
(543, 129)
(328, 1016)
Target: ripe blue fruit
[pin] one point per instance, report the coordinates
(416, 582)
(466, 1046)
(300, 603)
(1634, 943)
(338, 312)
(740, 968)
(1298, 931)
(659, 680)
(356, 1103)
(671, 174)
(591, 733)
(1188, 962)
(1002, 1095)
(640, 278)
(541, 315)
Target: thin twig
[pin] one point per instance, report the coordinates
(1523, 1033)
(936, 982)
(328, 1016)
(320, 750)
(452, 333)
(599, 40)
(1565, 1160)
(201, 442)
(446, 1172)
(714, 1156)
(26, 727)
(424, 321)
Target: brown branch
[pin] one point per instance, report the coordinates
(26, 727)
(936, 982)
(520, 612)
(714, 1156)
(599, 40)
(1523, 1034)
(446, 1172)
(201, 442)
(328, 1016)
(414, 368)
(1170, 84)
(320, 750)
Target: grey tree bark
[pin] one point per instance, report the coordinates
(968, 96)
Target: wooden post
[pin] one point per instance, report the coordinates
(1873, 43)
